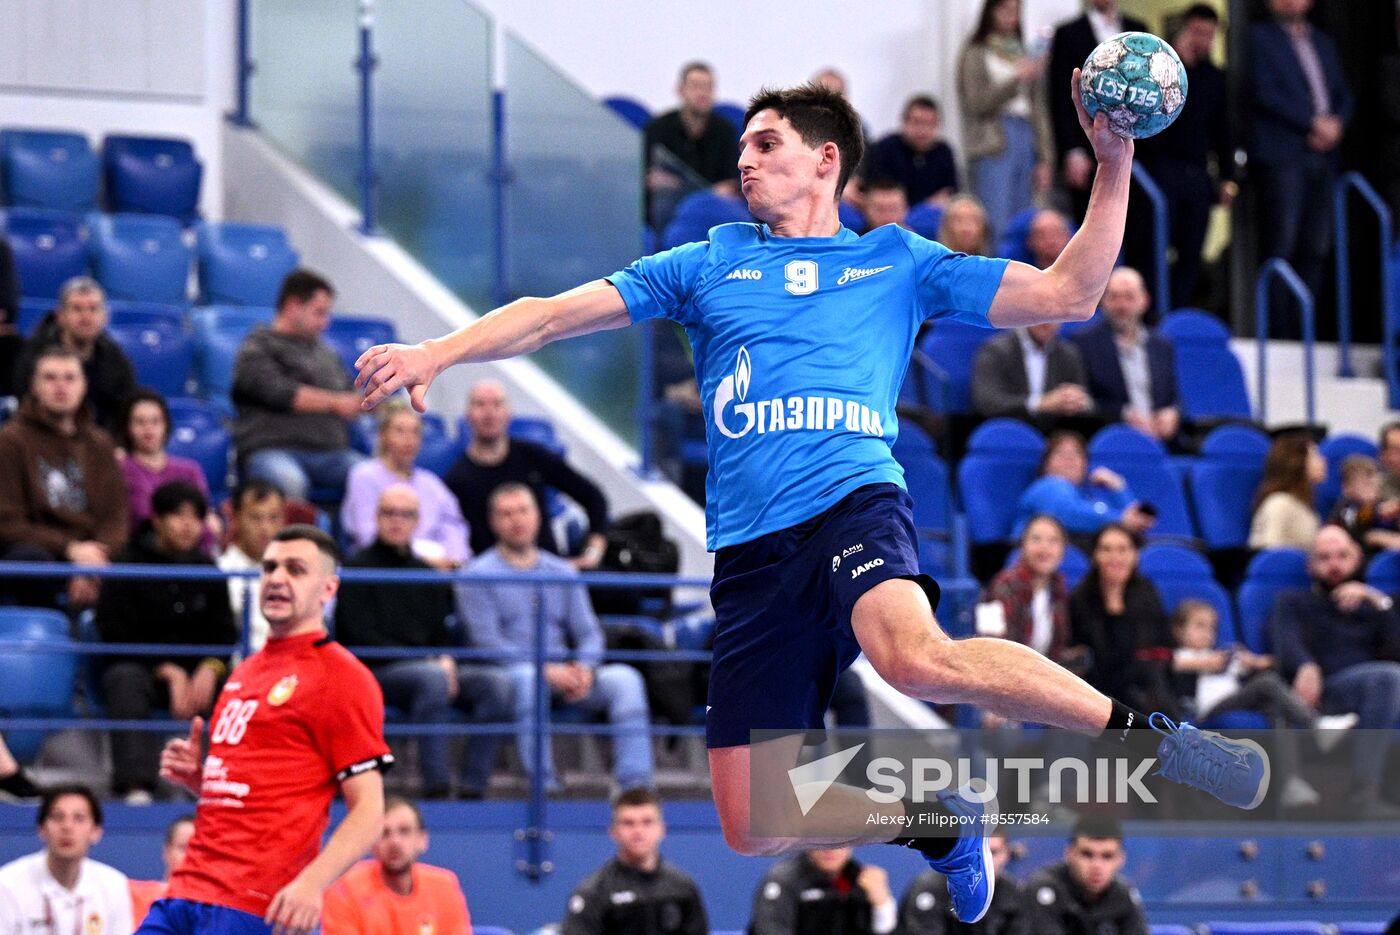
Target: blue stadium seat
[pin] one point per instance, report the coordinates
(1336, 449)
(851, 217)
(31, 312)
(1208, 374)
(632, 111)
(48, 169)
(1266, 928)
(697, 213)
(1223, 481)
(1013, 240)
(734, 113)
(952, 346)
(352, 336)
(924, 220)
(926, 477)
(1269, 573)
(1142, 461)
(1001, 461)
(490, 930)
(1383, 572)
(49, 249)
(243, 264)
(1179, 573)
(156, 340)
(1169, 929)
(152, 175)
(197, 432)
(35, 683)
(440, 450)
(1361, 928)
(218, 332)
(32, 623)
(142, 258)
(537, 430)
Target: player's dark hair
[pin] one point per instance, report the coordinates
(54, 793)
(173, 496)
(1199, 11)
(1097, 828)
(139, 396)
(631, 798)
(918, 100)
(187, 818)
(298, 532)
(984, 22)
(255, 490)
(696, 65)
(398, 801)
(819, 116)
(302, 285)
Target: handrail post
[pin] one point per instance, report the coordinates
(536, 864)
(1277, 268)
(245, 68)
(1162, 280)
(646, 403)
(1340, 218)
(1341, 214)
(365, 64)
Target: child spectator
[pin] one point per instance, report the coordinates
(1371, 521)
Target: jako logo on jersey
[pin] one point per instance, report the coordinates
(861, 569)
(745, 274)
(851, 275)
(788, 413)
(282, 692)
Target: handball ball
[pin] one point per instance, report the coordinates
(1137, 80)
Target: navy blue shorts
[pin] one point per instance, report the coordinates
(182, 917)
(783, 611)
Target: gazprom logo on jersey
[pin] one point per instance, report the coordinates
(787, 413)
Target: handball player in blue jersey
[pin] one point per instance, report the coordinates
(802, 332)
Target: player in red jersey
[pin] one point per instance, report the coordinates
(295, 721)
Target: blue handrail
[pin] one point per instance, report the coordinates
(1279, 269)
(646, 403)
(1162, 281)
(1341, 214)
(244, 68)
(365, 64)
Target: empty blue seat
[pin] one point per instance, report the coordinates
(926, 477)
(535, 429)
(1267, 928)
(924, 220)
(243, 264)
(1208, 374)
(142, 258)
(156, 340)
(632, 111)
(48, 169)
(734, 113)
(440, 450)
(850, 216)
(1001, 461)
(31, 312)
(952, 346)
(1012, 244)
(35, 681)
(351, 336)
(1180, 573)
(1383, 572)
(697, 213)
(1270, 572)
(1142, 461)
(49, 249)
(197, 432)
(1223, 481)
(218, 332)
(1336, 449)
(152, 175)
(32, 623)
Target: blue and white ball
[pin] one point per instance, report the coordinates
(1138, 80)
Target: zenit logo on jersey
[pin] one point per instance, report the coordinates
(787, 413)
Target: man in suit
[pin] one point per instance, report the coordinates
(1300, 108)
(1131, 368)
(1071, 45)
(1028, 373)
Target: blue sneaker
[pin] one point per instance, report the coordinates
(968, 866)
(1234, 771)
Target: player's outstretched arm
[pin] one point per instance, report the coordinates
(523, 326)
(296, 909)
(1070, 289)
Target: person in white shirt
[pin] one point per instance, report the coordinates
(257, 517)
(59, 889)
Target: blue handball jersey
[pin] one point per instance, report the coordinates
(801, 344)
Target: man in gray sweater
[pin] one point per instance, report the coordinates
(293, 396)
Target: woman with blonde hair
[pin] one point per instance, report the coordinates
(963, 228)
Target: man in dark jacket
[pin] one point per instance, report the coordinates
(636, 893)
(415, 616)
(79, 323)
(1029, 373)
(926, 909)
(915, 156)
(163, 610)
(1084, 895)
(822, 892)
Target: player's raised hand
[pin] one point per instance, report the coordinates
(1109, 147)
(295, 910)
(182, 757)
(386, 368)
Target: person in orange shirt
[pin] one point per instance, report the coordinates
(394, 894)
(144, 893)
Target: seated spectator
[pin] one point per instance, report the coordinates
(1389, 447)
(1283, 516)
(175, 610)
(915, 156)
(1116, 614)
(884, 203)
(494, 458)
(61, 886)
(15, 784)
(145, 893)
(415, 617)
(1031, 374)
(658, 890)
(1085, 892)
(1081, 501)
(926, 910)
(1131, 368)
(1047, 237)
(79, 323)
(1339, 642)
(820, 891)
(441, 536)
(61, 498)
(258, 515)
(293, 396)
(1372, 522)
(145, 429)
(11, 343)
(1029, 601)
(503, 617)
(394, 892)
(695, 137)
(963, 228)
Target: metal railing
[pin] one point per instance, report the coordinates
(1341, 215)
(1278, 269)
(1162, 284)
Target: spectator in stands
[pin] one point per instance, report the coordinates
(145, 893)
(1193, 160)
(1029, 599)
(834, 80)
(823, 890)
(1131, 368)
(660, 897)
(926, 910)
(416, 617)
(1081, 501)
(1070, 46)
(1371, 521)
(1029, 373)
(697, 138)
(1389, 448)
(1006, 127)
(503, 617)
(915, 156)
(145, 429)
(963, 227)
(79, 323)
(1283, 514)
(1085, 893)
(15, 784)
(394, 892)
(258, 515)
(884, 203)
(1117, 614)
(162, 611)
(11, 343)
(494, 458)
(1047, 237)
(293, 395)
(1339, 641)
(1300, 105)
(61, 497)
(441, 536)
